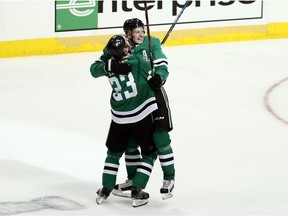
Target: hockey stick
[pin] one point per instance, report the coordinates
(149, 38)
(174, 23)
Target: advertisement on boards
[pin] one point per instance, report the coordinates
(76, 15)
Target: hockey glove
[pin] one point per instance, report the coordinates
(155, 82)
(115, 66)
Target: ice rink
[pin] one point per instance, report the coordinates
(229, 105)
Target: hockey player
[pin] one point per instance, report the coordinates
(134, 29)
(132, 103)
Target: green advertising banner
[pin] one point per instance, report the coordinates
(73, 15)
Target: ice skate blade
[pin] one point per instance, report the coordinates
(166, 195)
(99, 200)
(121, 193)
(139, 202)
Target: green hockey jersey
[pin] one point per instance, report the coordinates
(160, 62)
(131, 98)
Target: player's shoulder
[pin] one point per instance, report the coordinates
(153, 39)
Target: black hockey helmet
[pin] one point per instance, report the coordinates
(131, 24)
(116, 44)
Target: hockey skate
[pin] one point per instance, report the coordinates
(139, 197)
(103, 194)
(123, 190)
(167, 189)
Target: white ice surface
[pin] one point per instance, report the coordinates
(230, 151)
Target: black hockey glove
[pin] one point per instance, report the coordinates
(115, 66)
(155, 82)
